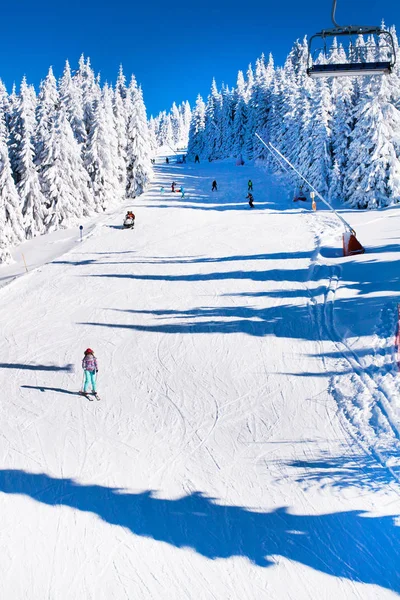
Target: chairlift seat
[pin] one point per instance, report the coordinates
(359, 61)
(350, 69)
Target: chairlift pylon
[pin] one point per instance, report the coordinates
(359, 60)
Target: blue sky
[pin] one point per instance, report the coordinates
(174, 48)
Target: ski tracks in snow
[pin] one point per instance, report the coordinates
(365, 388)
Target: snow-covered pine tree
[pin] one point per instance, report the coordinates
(212, 129)
(89, 87)
(152, 133)
(11, 225)
(101, 155)
(196, 133)
(65, 182)
(227, 116)
(373, 174)
(71, 100)
(139, 169)
(342, 125)
(240, 118)
(22, 151)
(176, 123)
(186, 118)
(121, 120)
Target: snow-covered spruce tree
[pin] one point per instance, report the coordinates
(186, 113)
(101, 154)
(273, 128)
(48, 101)
(240, 118)
(259, 106)
(139, 169)
(373, 174)
(165, 132)
(11, 225)
(4, 99)
(227, 116)
(107, 99)
(196, 133)
(23, 126)
(89, 87)
(152, 133)
(65, 181)
(176, 123)
(212, 128)
(342, 125)
(320, 150)
(71, 100)
(121, 120)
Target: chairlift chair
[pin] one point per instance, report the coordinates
(359, 58)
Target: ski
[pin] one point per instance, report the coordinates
(86, 395)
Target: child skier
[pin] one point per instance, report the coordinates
(214, 186)
(182, 192)
(90, 369)
(250, 186)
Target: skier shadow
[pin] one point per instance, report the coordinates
(68, 368)
(338, 544)
(42, 388)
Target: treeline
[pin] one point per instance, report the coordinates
(342, 134)
(172, 128)
(71, 150)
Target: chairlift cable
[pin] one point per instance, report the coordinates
(269, 146)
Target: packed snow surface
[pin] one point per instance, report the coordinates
(247, 441)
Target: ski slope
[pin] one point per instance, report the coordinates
(247, 443)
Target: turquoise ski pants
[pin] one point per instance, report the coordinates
(90, 379)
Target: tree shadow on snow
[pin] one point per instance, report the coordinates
(355, 471)
(338, 544)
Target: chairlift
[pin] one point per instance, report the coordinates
(378, 58)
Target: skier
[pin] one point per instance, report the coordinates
(250, 186)
(167, 160)
(90, 369)
(173, 184)
(214, 186)
(129, 221)
(301, 195)
(182, 192)
(251, 199)
(162, 189)
(196, 159)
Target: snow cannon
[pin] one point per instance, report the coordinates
(351, 245)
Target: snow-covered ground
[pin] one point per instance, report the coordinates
(247, 443)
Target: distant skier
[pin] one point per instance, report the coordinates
(184, 158)
(214, 186)
(250, 186)
(173, 184)
(301, 195)
(90, 369)
(167, 160)
(182, 192)
(162, 189)
(251, 199)
(196, 159)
